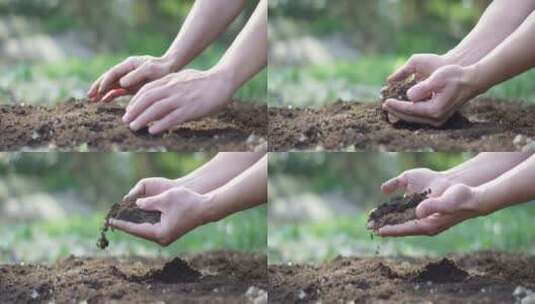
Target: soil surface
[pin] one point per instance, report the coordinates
(480, 277)
(126, 211)
(79, 123)
(399, 209)
(210, 277)
(485, 125)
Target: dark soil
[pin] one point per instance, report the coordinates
(398, 210)
(126, 211)
(210, 277)
(490, 125)
(397, 90)
(480, 277)
(76, 123)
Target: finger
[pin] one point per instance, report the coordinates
(411, 118)
(398, 182)
(155, 112)
(403, 72)
(145, 89)
(139, 190)
(112, 76)
(143, 100)
(174, 118)
(92, 93)
(135, 77)
(431, 206)
(111, 95)
(414, 227)
(421, 91)
(421, 109)
(145, 230)
(152, 203)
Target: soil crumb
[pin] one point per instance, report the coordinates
(476, 277)
(486, 124)
(397, 90)
(176, 271)
(133, 280)
(398, 210)
(81, 125)
(443, 271)
(127, 211)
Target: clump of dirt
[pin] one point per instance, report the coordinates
(137, 279)
(127, 211)
(490, 125)
(176, 271)
(81, 125)
(398, 210)
(443, 271)
(397, 90)
(476, 277)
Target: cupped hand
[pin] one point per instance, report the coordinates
(151, 186)
(181, 211)
(418, 180)
(127, 77)
(421, 65)
(177, 98)
(437, 98)
(437, 214)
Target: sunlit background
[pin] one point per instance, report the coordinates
(53, 205)
(324, 50)
(319, 204)
(52, 50)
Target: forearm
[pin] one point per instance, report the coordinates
(205, 22)
(485, 167)
(245, 191)
(248, 53)
(512, 57)
(219, 170)
(500, 19)
(513, 187)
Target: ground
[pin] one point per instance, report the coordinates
(479, 277)
(490, 125)
(78, 124)
(211, 277)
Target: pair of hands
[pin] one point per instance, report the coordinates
(162, 98)
(443, 89)
(449, 203)
(181, 210)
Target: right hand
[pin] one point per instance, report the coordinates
(422, 65)
(151, 186)
(127, 77)
(418, 180)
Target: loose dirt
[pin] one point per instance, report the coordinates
(397, 90)
(485, 125)
(78, 123)
(398, 210)
(210, 277)
(480, 277)
(126, 211)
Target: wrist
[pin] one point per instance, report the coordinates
(227, 74)
(473, 80)
(483, 202)
(208, 209)
(172, 61)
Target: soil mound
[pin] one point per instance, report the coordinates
(443, 271)
(398, 210)
(176, 271)
(79, 124)
(485, 125)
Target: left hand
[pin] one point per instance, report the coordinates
(182, 210)
(458, 203)
(177, 98)
(437, 98)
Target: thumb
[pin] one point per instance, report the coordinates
(134, 78)
(421, 91)
(430, 206)
(151, 203)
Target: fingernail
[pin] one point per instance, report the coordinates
(153, 130)
(126, 117)
(134, 126)
(111, 221)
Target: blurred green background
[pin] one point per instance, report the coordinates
(319, 204)
(51, 50)
(324, 50)
(53, 205)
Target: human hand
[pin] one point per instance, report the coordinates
(421, 65)
(127, 77)
(151, 186)
(182, 210)
(418, 180)
(436, 214)
(437, 98)
(177, 98)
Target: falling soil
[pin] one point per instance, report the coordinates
(79, 123)
(479, 277)
(489, 125)
(127, 211)
(209, 277)
(398, 210)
